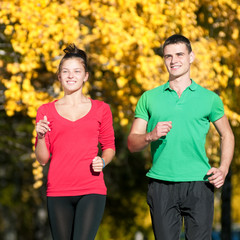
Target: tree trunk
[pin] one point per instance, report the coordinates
(226, 208)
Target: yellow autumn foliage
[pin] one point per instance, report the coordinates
(122, 39)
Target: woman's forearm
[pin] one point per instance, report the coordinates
(41, 151)
(108, 155)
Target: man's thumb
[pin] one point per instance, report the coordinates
(210, 171)
(45, 118)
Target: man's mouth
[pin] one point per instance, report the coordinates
(175, 67)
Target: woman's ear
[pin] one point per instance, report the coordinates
(59, 78)
(192, 57)
(86, 77)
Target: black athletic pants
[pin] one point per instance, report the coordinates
(76, 217)
(172, 202)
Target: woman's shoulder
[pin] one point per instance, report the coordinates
(100, 103)
(46, 106)
(101, 107)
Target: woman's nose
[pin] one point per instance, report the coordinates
(70, 74)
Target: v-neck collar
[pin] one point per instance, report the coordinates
(63, 119)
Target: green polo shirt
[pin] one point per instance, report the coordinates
(180, 156)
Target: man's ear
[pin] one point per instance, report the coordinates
(192, 57)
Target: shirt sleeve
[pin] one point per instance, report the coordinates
(141, 110)
(106, 132)
(41, 112)
(217, 110)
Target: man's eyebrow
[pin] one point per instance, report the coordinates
(178, 53)
(167, 55)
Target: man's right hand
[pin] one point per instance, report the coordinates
(160, 130)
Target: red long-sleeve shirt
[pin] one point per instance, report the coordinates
(73, 145)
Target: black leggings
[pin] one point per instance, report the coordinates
(76, 217)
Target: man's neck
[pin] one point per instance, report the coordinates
(179, 84)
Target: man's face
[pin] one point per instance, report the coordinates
(177, 60)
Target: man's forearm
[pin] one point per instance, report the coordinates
(137, 142)
(227, 151)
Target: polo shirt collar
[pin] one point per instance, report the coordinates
(192, 87)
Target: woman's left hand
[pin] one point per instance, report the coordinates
(97, 164)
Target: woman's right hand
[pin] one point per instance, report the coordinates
(42, 127)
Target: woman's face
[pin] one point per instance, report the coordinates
(72, 75)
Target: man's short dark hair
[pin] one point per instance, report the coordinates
(177, 38)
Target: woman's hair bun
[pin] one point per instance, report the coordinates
(71, 51)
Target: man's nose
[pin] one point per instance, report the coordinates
(174, 59)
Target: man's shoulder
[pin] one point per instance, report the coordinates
(206, 91)
(156, 90)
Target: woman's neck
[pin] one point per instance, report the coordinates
(74, 98)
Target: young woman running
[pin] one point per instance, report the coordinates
(69, 131)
